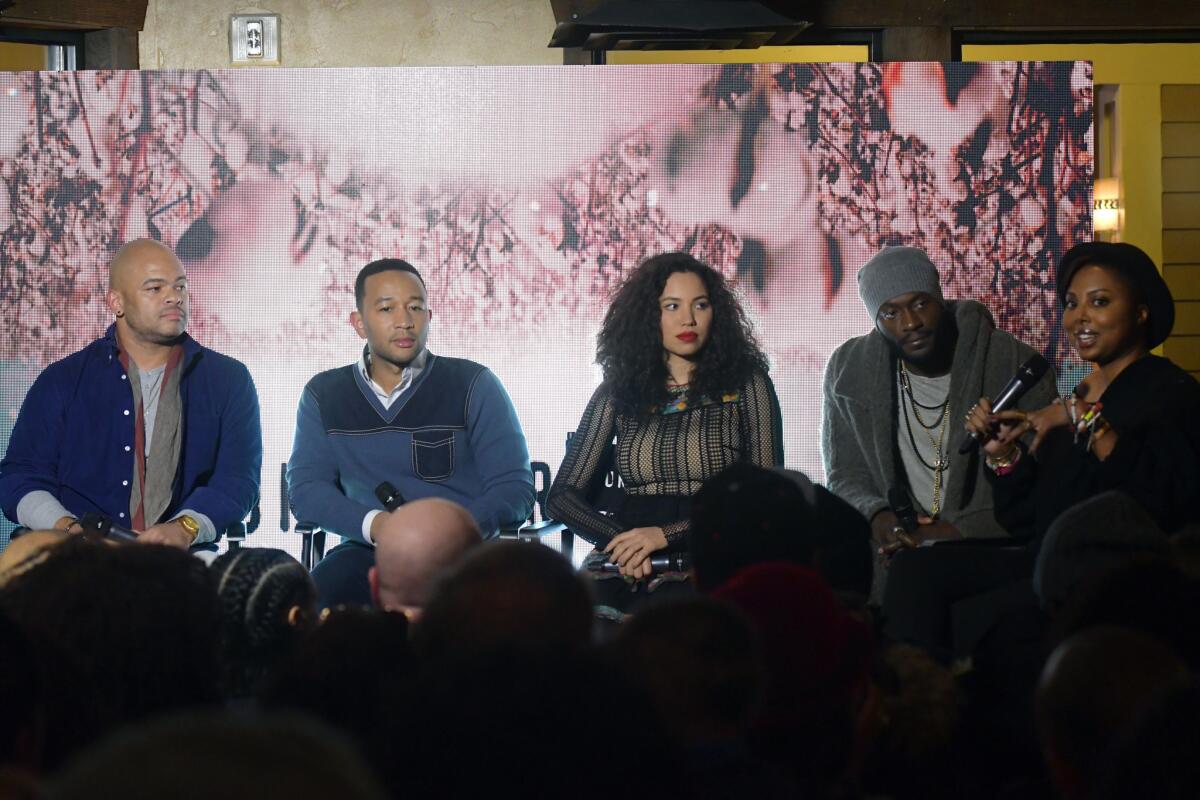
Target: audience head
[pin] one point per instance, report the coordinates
(537, 724)
(140, 622)
(747, 515)
(1149, 595)
(506, 596)
(665, 296)
(699, 662)
(26, 552)
(817, 660)
(1115, 301)
(1156, 756)
(1093, 686)
(19, 735)
(902, 292)
(417, 543)
(268, 601)
(221, 755)
(347, 673)
(918, 725)
(1090, 538)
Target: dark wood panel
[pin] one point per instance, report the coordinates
(1187, 318)
(1016, 14)
(1184, 351)
(1181, 174)
(78, 14)
(1181, 210)
(1184, 280)
(1180, 139)
(1181, 102)
(1181, 247)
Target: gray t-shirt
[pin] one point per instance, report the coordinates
(151, 381)
(928, 392)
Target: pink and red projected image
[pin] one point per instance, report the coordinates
(524, 195)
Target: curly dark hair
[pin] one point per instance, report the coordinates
(629, 346)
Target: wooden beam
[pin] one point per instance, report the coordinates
(76, 14)
(1076, 15)
(911, 43)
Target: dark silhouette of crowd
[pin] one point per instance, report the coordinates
(140, 671)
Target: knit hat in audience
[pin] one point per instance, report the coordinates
(895, 271)
(1089, 539)
(816, 654)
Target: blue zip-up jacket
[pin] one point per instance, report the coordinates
(74, 436)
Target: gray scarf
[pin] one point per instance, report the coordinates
(154, 473)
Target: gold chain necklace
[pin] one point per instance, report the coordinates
(940, 464)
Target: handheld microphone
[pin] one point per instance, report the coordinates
(103, 525)
(902, 507)
(389, 495)
(1028, 374)
(667, 562)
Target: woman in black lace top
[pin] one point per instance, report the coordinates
(685, 393)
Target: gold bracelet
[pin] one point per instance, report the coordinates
(1004, 461)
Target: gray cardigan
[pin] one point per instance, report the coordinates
(858, 420)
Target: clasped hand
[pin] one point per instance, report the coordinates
(632, 549)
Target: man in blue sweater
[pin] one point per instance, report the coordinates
(143, 425)
(431, 426)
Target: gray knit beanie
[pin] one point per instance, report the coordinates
(895, 271)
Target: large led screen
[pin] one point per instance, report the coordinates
(524, 194)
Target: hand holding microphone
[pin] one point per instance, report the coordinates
(983, 417)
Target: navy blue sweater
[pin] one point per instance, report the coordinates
(454, 435)
(74, 436)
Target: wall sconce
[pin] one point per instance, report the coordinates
(1106, 205)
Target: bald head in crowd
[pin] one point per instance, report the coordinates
(416, 543)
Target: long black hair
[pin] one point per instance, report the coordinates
(629, 346)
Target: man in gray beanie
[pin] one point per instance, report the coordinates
(895, 400)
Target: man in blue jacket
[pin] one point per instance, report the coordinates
(429, 425)
(143, 425)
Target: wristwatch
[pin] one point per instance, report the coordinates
(190, 527)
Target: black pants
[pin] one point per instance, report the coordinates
(341, 576)
(944, 598)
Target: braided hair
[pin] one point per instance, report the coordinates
(257, 588)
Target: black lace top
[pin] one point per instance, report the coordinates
(669, 451)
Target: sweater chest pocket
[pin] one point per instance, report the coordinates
(433, 455)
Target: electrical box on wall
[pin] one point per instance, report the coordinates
(254, 38)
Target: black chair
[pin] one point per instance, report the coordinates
(237, 533)
(312, 536)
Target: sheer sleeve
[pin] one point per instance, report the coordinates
(762, 422)
(568, 499)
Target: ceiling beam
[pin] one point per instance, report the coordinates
(76, 14)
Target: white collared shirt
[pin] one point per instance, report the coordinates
(409, 375)
(386, 399)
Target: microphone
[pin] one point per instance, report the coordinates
(667, 562)
(1028, 374)
(103, 525)
(389, 495)
(902, 507)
